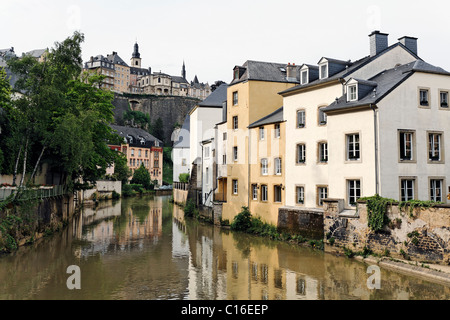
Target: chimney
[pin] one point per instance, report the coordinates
(291, 72)
(410, 43)
(378, 42)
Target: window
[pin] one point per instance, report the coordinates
(323, 152)
(206, 152)
(436, 190)
(351, 94)
(423, 95)
(301, 118)
(277, 166)
(322, 117)
(183, 162)
(406, 145)
(354, 191)
(301, 153)
(207, 175)
(444, 99)
(235, 187)
(235, 153)
(300, 195)
(146, 153)
(235, 98)
(322, 193)
(323, 71)
(264, 167)
(132, 152)
(304, 77)
(277, 193)
(254, 192)
(277, 130)
(261, 133)
(139, 152)
(224, 136)
(353, 148)
(434, 146)
(235, 123)
(264, 192)
(407, 189)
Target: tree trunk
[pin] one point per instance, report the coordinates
(24, 164)
(37, 164)
(15, 168)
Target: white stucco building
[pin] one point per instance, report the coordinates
(181, 150)
(349, 122)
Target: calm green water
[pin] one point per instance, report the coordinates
(143, 248)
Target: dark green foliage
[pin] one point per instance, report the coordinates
(376, 211)
(138, 119)
(242, 221)
(142, 176)
(184, 177)
(190, 209)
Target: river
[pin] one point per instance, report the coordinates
(143, 248)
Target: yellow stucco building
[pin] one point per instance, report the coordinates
(252, 95)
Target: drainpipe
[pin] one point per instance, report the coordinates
(249, 167)
(375, 129)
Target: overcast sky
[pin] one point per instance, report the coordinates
(214, 36)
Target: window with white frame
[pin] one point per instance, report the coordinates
(304, 77)
(254, 192)
(301, 118)
(207, 175)
(324, 71)
(278, 166)
(264, 195)
(434, 146)
(277, 130)
(301, 153)
(322, 193)
(300, 195)
(353, 191)
(436, 186)
(235, 187)
(261, 133)
(443, 95)
(353, 147)
(264, 167)
(406, 145)
(235, 153)
(323, 152)
(407, 189)
(352, 93)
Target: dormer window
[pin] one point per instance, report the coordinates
(324, 71)
(352, 93)
(304, 77)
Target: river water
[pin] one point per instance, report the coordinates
(143, 248)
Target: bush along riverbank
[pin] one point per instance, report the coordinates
(244, 221)
(26, 221)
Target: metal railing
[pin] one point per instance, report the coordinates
(29, 194)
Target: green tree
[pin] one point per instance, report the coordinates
(5, 93)
(60, 117)
(121, 170)
(142, 176)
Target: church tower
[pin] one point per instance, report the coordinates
(136, 57)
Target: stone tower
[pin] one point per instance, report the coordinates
(136, 57)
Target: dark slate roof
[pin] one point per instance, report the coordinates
(140, 71)
(385, 83)
(353, 66)
(263, 71)
(36, 53)
(136, 133)
(179, 79)
(183, 137)
(216, 98)
(114, 58)
(274, 117)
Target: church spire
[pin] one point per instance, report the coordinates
(183, 71)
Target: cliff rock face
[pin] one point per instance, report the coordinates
(170, 109)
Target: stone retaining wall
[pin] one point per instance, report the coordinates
(301, 221)
(421, 235)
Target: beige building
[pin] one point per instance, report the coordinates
(101, 65)
(122, 75)
(252, 95)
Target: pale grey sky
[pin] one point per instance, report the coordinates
(214, 36)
